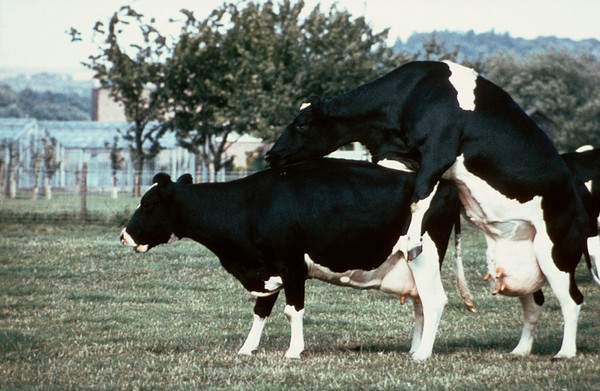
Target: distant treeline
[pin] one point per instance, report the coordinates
(471, 46)
(50, 96)
(46, 105)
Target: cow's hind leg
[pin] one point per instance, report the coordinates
(414, 238)
(426, 272)
(532, 311)
(418, 327)
(566, 292)
(262, 310)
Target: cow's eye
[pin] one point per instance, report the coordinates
(301, 128)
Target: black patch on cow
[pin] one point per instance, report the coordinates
(538, 297)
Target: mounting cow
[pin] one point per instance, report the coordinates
(448, 121)
(329, 219)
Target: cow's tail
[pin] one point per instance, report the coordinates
(594, 243)
(461, 281)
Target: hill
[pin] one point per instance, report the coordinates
(472, 46)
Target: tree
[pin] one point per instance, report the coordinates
(116, 163)
(134, 76)
(563, 86)
(248, 69)
(196, 89)
(50, 162)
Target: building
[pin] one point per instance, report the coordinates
(105, 108)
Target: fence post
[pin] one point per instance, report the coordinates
(83, 193)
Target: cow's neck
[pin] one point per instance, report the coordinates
(208, 215)
(371, 125)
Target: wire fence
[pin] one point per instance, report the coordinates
(25, 183)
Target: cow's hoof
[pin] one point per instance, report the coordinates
(246, 352)
(520, 352)
(420, 356)
(292, 355)
(563, 356)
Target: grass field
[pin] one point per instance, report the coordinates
(78, 311)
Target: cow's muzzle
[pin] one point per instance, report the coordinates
(127, 240)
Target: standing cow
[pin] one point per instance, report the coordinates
(448, 121)
(329, 219)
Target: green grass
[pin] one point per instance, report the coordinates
(65, 208)
(78, 311)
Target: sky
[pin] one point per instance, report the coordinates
(33, 32)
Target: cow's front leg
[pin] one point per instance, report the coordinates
(532, 311)
(262, 310)
(295, 317)
(293, 283)
(426, 272)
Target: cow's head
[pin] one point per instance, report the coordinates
(155, 220)
(312, 133)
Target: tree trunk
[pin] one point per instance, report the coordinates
(83, 194)
(36, 174)
(47, 187)
(138, 166)
(2, 179)
(12, 183)
(115, 191)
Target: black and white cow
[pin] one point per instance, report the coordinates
(330, 219)
(448, 121)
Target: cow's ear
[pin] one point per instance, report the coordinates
(316, 105)
(161, 179)
(314, 100)
(185, 179)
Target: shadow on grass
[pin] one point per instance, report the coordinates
(12, 341)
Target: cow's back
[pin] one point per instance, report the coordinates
(344, 214)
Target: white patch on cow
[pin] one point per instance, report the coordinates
(126, 239)
(394, 165)
(304, 106)
(254, 336)
(297, 331)
(464, 81)
(273, 285)
(507, 223)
